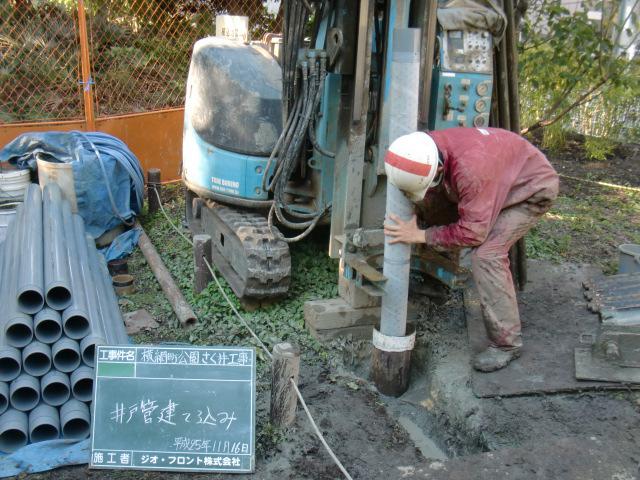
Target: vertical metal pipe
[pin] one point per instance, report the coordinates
(30, 288)
(405, 74)
(47, 326)
(55, 388)
(24, 392)
(391, 356)
(56, 264)
(75, 318)
(36, 358)
(13, 430)
(44, 423)
(396, 268)
(75, 420)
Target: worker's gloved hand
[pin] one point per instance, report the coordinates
(403, 232)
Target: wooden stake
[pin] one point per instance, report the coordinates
(285, 366)
(201, 250)
(153, 182)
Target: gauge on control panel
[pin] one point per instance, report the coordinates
(483, 88)
(482, 104)
(481, 120)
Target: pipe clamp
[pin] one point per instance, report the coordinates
(388, 343)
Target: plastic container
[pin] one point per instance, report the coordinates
(629, 258)
(62, 175)
(13, 183)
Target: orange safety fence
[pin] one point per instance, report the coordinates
(107, 65)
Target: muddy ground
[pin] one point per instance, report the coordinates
(439, 429)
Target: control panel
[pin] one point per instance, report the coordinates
(462, 80)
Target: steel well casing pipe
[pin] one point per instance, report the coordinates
(44, 423)
(36, 359)
(66, 354)
(55, 388)
(57, 281)
(75, 420)
(24, 392)
(14, 430)
(82, 383)
(47, 326)
(30, 286)
(396, 268)
(75, 318)
(391, 356)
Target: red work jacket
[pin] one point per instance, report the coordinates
(485, 171)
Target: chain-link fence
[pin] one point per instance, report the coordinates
(139, 51)
(39, 61)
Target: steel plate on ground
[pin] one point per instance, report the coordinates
(554, 316)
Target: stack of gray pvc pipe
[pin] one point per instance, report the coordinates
(56, 305)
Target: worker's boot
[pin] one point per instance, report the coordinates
(494, 358)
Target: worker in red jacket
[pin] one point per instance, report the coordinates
(502, 186)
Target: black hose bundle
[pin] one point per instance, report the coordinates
(303, 84)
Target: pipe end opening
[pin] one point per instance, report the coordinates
(58, 297)
(48, 331)
(66, 360)
(37, 364)
(25, 398)
(12, 439)
(83, 389)
(19, 335)
(77, 327)
(76, 428)
(30, 301)
(55, 394)
(9, 369)
(44, 432)
(89, 355)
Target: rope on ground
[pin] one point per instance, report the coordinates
(602, 184)
(262, 345)
(319, 433)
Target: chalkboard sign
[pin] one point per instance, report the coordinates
(174, 408)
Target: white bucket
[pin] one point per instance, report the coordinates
(13, 183)
(61, 174)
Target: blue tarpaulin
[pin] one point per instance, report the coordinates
(108, 179)
(43, 456)
(122, 246)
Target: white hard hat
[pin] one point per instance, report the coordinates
(411, 164)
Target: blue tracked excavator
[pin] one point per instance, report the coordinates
(274, 147)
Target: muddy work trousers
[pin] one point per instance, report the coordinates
(491, 273)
